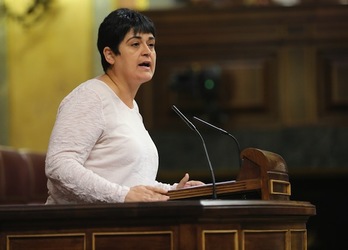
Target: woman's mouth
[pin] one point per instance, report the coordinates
(145, 64)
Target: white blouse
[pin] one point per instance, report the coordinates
(98, 149)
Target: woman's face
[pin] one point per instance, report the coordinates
(136, 62)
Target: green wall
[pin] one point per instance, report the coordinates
(3, 86)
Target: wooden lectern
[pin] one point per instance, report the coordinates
(269, 220)
(263, 175)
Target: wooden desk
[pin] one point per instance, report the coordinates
(179, 225)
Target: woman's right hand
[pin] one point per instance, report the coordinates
(146, 193)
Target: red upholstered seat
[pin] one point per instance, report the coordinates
(39, 191)
(22, 177)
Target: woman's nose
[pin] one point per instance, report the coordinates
(147, 50)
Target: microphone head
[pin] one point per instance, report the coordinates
(224, 132)
(184, 118)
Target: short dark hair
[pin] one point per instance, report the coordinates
(115, 27)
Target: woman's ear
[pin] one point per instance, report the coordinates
(109, 55)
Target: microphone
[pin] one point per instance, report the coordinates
(224, 132)
(191, 126)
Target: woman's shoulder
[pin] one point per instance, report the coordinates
(88, 90)
(91, 87)
(93, 84)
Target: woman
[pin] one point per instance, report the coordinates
(99, 150)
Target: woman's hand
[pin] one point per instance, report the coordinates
(184, 183)
(146, 193)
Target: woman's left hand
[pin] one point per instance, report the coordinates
(184, 183)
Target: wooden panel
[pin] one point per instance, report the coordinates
(220, 239)
(46, 242)
(255, 239)
(267, 57)
(161, 240)
(298, 239)
(333, 84)
(242, 90)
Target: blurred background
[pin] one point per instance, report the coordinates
(273, 73)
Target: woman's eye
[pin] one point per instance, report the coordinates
(135, 44)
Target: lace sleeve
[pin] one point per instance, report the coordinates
(79, 124)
